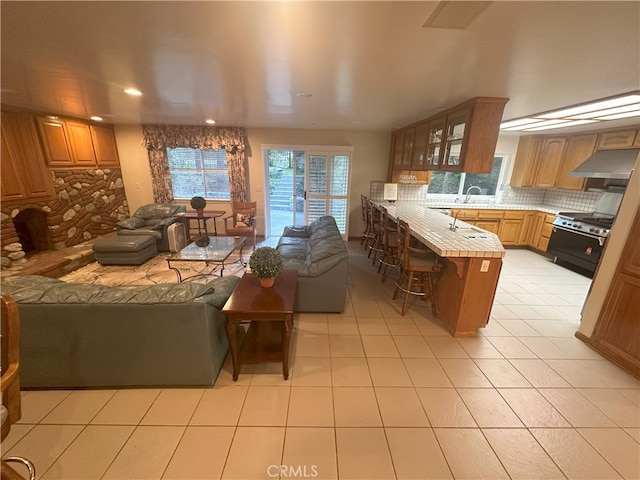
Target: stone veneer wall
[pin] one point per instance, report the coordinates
(88, 204)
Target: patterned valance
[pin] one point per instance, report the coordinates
(159, 137)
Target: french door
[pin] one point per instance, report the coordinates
(305, 184)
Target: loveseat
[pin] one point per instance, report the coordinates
(320, 255)
(152, 220)
(81, 335)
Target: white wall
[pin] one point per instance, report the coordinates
(369, 162)
(609, 260)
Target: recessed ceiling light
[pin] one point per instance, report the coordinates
(133, 91)
(210, 121)
(96, 118)
(303, 94)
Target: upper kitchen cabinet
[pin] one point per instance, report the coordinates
(24, 174)
(549, 160)
(579, 148)
(617, 139)
(434, 142)
(418, 155)
(462, 138)
(525, 164)
(75, 143)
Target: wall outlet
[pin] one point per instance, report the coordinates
(485, 266)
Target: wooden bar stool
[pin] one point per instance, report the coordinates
(390, 244)
(375, 220)
(416, 268)
(367, 235)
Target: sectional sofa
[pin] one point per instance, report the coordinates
(79, 335)
(320, 255)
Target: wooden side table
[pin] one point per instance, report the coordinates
(270, 313)
(202, 220)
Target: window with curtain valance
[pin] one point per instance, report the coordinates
(157, 138)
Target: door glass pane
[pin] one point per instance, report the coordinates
(338, 210)
(316, 208)
(339, 175)
(317, 174)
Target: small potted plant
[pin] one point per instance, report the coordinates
(198, 204)
(266, 263)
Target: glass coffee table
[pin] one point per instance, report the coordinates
(216, 251)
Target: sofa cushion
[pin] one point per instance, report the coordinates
(131, 223)
(157, 210)
(296, 231)
(35, 289)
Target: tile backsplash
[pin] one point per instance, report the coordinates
(567, 199)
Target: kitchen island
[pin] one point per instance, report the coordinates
(471, 264)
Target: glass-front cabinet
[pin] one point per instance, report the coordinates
(453, 142)
(434, 145)
(418, 154)
(409, 136)
(460, 139)
(398, 149)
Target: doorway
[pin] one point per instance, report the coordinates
(305, 183)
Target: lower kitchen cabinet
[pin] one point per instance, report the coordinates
(617, 330)
(510, 231)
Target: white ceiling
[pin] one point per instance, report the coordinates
(368, 65)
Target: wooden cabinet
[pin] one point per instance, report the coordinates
(579, 148)
(524, 166)
(542, 232)
(104, 144)
(511, 227)
(74, 143)
(617, 330)
(418, 153)
(434, 143)
(549, 160)
(55, 143)
(616, 139)
(461, 139)
(24, 174)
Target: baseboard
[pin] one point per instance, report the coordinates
(605, 352)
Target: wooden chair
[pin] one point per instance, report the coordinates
(375, 222)
(389, 244)
(416, 268)
(367, 234)
(242, 221)
(10, 383)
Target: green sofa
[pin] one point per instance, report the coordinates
(320, 255)
(79, 335)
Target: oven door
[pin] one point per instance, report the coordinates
(574, 247)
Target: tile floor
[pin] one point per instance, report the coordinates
(371, 395)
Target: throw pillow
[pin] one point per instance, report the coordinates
(243, 220)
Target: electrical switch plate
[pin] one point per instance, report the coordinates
(485, 266)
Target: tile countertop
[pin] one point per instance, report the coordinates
(499, 206)
(432, 228)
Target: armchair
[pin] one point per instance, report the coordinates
(242, 221)
(152, 219)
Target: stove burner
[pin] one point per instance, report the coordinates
(597, 219)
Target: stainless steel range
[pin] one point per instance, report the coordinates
(579, 238)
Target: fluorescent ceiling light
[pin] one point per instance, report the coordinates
(635, 113)
(566, 124)
(519, 122)
(540, 123)
(210, 121)
(592, 107)
(608, 111)
(133, 91)
(611, 108)
(96, 118)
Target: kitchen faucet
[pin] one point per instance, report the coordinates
(452, 226)
(466, 200)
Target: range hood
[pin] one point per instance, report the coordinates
(608, 164)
